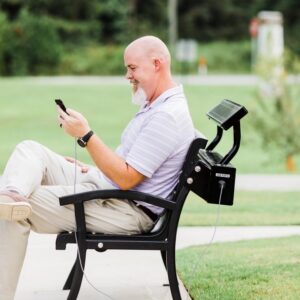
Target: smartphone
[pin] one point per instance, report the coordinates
(61, 105)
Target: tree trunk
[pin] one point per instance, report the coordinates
(290, 163)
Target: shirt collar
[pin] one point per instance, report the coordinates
(163, 97)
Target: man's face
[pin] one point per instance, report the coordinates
(140, 71)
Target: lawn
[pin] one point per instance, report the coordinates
(27, 111)
(247, 270)
(250, 208)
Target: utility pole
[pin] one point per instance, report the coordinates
(172, 14)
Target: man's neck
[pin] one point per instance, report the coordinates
(163, 86)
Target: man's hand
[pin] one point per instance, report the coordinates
(84, 168)
(73, 123)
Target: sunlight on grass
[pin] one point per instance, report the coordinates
(250, 208)
(247, 270)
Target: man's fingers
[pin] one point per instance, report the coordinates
(73, 113)
(84, 169)
(59, 121)
(62, 114)
(70, 159)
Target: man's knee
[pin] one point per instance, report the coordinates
(28, 144)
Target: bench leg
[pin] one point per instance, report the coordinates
(164, 257)
(171, 269)
(75, 277)
(69, 280)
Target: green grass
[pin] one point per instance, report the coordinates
(247, 270)
(250, 208)
(27, 111)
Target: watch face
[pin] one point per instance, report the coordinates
(84, 140)
(81, 143)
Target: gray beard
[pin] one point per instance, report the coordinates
(139, 97)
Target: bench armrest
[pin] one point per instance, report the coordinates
(117, 194)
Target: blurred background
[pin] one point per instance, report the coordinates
(244, 51)
(39, 37)
(257, 39)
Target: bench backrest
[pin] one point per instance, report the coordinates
(203, 170)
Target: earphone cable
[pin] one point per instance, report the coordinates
(75, 233)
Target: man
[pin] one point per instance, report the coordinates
(152, 150)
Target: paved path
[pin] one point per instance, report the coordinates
(263, 182)
(124, 275)
(222, 79)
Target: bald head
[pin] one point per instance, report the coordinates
(150, 47)
(148, 64)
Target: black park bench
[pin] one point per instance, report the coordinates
(205, 172)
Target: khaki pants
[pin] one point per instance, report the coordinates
(42, 176)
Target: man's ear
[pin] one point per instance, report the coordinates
(157, 64)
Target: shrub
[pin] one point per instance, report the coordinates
(93, 60)
(3, 35)
(33, 46)
(277, 111)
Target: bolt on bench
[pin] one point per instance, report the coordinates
(205, 172)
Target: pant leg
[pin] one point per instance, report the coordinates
(105, 216)
(14, 237)
(31, 164)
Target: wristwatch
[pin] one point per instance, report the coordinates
(82, 142)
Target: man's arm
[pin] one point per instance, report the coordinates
(112, 165)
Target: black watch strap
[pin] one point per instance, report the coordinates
(84, 140)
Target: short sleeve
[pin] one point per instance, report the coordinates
(157, 140)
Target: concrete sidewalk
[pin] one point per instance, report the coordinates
(123, 275)
(210, 79)
(268, 182)
(265, 182)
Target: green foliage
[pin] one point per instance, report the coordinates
(207, 20)
(277, 113)
(108, 60)
(78, 23)
(76, 33)
(93, 60)
(291, 61)
(278, 120)
(31, 46)
(229, 20)
(226, 56)
(114, 19)
(3, 39)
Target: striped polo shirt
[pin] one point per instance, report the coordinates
(156, 141)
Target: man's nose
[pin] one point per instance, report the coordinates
(128, 75)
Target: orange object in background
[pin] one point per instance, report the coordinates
(202, 65)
